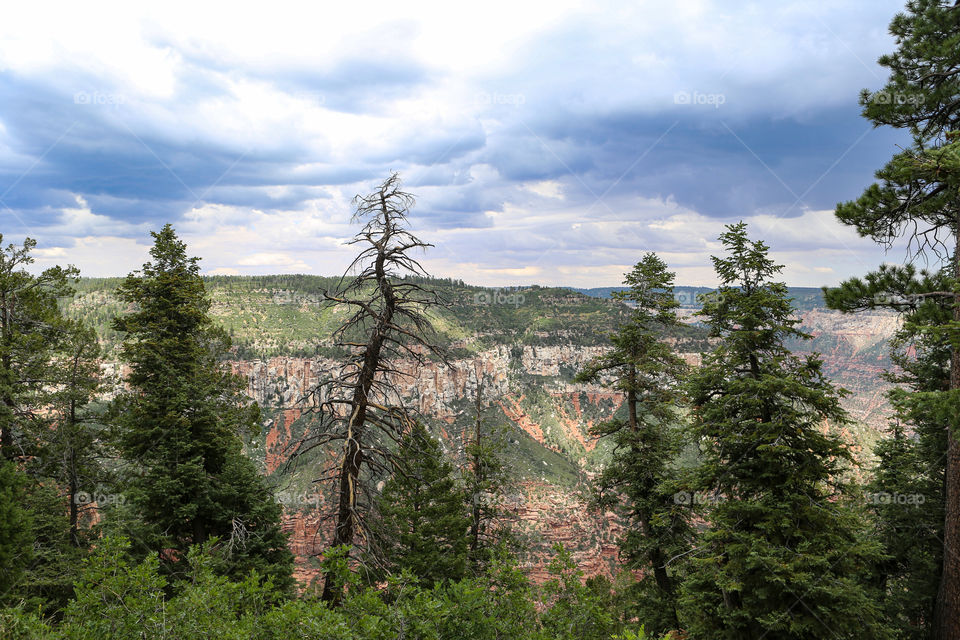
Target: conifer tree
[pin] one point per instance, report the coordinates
(423, 515)
(16, 541)
(74, 446)
(637, 481)
(485, 477)
(181, 422)
(907, 491)
(31, 326)
(918, 195)
(783, 555)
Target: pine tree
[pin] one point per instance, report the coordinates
(16, 524)
(47, 583)
(34, 335)
(911, 464)
(423, 512)
(31, 327)
(74, 446)
(180, 425)
(783, 555)
(637, 481)
(485, 478)
(918, 195)
(907, 501)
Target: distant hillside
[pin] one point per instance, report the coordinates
(804, 298)
(277, 315)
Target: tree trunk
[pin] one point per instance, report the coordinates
(346, 527)
(947, 612)
(73, 484)
(632, 398)
(659, 561)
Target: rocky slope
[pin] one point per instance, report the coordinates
(531, 390)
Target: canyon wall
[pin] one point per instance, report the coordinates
(530, 389)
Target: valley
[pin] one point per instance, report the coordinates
(526, 345)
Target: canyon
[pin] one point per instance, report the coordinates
(527, 353)
(530, 390)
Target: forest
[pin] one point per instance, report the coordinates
(134, 509)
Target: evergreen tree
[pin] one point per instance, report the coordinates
(907, 501)
(911, 464)
(73, 448)
(180, 424)
(47, 583)
(16, 542)
(485, 477)
(34, 336)
(918, 194)
(637, 481)
(423, 514)
(783, 555)
(31, 326)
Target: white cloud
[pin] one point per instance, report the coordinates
(95, 256)
(242, 82)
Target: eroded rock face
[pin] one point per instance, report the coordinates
(546, 513)
(543, 513)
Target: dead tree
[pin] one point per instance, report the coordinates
(360, 407)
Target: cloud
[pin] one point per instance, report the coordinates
(547, 141)
(272, 260)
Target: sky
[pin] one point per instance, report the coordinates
(546, 142)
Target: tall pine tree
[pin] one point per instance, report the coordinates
(638, 480)
(918, 195)
(783, 555)
(485, 478)
(908, 486)
(31, 327)
(181, 421)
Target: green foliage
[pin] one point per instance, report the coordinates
(784, 555)
(572, 610)
(47, 583)
(423, 516)
(118, 598)
(73, 451)
(638, 481)
(907, 491)
(906, 496)
(918, 185)
(31, 327)
(16, 523)
(485, 480)
(180, 424)
(918, 195)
